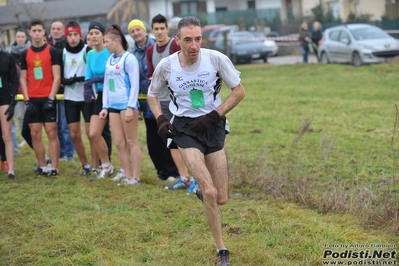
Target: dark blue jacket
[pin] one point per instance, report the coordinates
(140, 54)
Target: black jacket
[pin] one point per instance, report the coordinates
(304, 36)
(316, 36)
(9, 75)
(59, 46)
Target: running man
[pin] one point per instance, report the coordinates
(194, 77)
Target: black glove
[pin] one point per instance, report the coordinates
(10, 112)
(69, 81)
(78, 79)
(204, 123)
(74, 79)
(165, 128)
(30, 108)
(50, 104)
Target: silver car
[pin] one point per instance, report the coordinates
(356, 44)
(243, 47)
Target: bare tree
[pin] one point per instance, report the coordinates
(31, 11)
(125, 10)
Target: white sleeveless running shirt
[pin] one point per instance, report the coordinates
(74, 64)
(195, 90)
(121, 82)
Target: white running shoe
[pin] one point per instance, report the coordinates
(22, 143)
(105, 172)
(119, 175)
(129, 181)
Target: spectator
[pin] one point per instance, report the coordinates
(57, 40)
(88, 41)
(99, 132)
(9, 85)
(40, 80)
(21, 44)
(317, 34)
(120, 102)
(304, 39)
(73, 74)
(159, 154)
(164, 47)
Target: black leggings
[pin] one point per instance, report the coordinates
(25, 131)
(2, 147)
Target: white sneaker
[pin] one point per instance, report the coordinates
(105, 172)
(119, 175)
(129, 181)
(95, 172)
(22, 143)
(169, 179)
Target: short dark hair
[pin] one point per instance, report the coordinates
(73, 23)
(187, 21)
(35, 22)
(159, 19)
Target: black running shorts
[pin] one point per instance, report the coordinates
(41, 115)
(209, 142)
(74, 109)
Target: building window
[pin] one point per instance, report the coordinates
(189, 7)
(357, 10)
(333, 7)
(221, 9)
(251, 4)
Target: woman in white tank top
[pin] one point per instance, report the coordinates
(120, 101)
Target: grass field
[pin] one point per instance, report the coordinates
(313, 161)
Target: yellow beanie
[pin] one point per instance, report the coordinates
(136, 23)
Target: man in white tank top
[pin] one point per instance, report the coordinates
(164, 47)
(194, 77)
(73, 69)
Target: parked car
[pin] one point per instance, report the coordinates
(273, 34)
(243, 47)
(206, 30)
(215, 34)
(356, 44)
(270, 44)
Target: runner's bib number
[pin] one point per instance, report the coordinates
(197, 98)
(38, 71)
